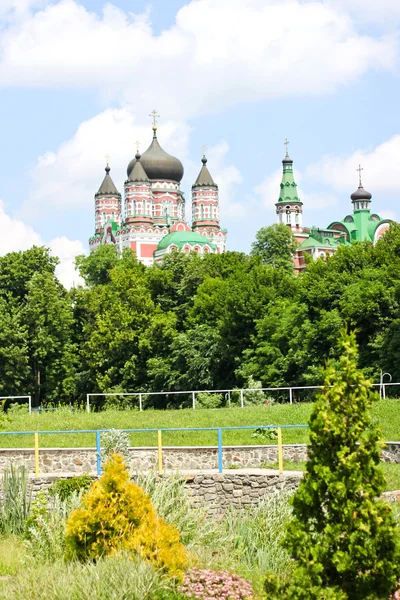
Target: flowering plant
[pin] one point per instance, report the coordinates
(206, 584)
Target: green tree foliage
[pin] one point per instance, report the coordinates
(275, 245)
(36, 318)
(342, 537)
(14, 351)
(195, 322)
(48, 315)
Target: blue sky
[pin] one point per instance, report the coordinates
(78, 79)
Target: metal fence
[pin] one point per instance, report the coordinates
(292, 394)
(98, 432)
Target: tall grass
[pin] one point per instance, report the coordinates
(172, 501)
(16, 501)
(114, 578)
(45, 527)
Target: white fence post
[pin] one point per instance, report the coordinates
(87, 403)
(140, 403)
(241, 399)
(193, 400)
(290, 395)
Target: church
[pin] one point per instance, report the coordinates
(360, 225)
(151, 220)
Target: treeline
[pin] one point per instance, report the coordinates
(194, 323)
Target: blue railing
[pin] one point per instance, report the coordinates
(160, 431)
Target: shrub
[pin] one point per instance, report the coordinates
(209, 400)
(45, 527)
(115, 515)
(64, 488)
(15, 505)
(115, 441)
(342, 537)
(221, 585)
(254, 395)
(172, 502)
(264, 435)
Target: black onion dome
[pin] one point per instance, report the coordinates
(287, 160)
(361, 194)
(158, 164)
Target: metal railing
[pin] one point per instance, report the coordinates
(160, 431)
(29, 398)
(290, 390)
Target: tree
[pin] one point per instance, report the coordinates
(342, 537)
(275, 245)
(14, 353)
(96, 268)
(48, 315)
(18, 268)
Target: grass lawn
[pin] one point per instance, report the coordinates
(390, 470)
(386, 412)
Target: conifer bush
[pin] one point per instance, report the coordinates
(342, 536)
(116, 514)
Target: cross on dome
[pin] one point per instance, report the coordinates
(154, 115)
(360, 168)
(286, 143)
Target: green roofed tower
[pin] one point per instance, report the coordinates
(289, 207)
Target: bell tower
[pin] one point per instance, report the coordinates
(289, 208)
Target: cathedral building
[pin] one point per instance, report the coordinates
(360, 225)
(151, 218)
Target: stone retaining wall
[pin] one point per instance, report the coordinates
(83, 460)
(216, 491)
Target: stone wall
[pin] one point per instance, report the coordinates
(216, 491)
(177, 458)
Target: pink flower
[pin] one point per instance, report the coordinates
(206, 584)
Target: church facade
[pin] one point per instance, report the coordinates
(150, 218)
(360, 225)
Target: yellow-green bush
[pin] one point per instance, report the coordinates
(116, 514)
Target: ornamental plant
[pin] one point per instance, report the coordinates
(342, 536)
(219, 585)
(115, 515)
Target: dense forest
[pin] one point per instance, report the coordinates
(195, 323)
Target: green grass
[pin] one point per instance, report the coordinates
(386, 412)
(390, 470)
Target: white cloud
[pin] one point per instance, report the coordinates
(16, 236)
(268, 193)
(385, 12)
(69, 177)
(379, 175)
(227, 177)
(218, 53)
(67, 250)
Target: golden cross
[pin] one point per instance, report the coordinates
(154, 115)
(137, 146)
(359, 174)
(107, 157)
(287, 144)
(204, 150)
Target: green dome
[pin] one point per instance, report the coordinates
(180, 238)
